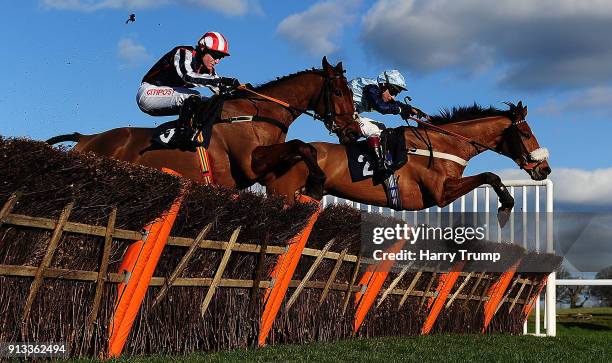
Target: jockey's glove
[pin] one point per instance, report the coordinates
(406, 112)
(228, 82)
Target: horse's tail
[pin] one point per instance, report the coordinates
(75, 137)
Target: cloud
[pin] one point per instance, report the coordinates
(575, 186)
(131, 53)
(596, 101)
(537, 44)
(226, 7)
(316, 29)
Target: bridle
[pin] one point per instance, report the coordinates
(526, 160)
(329, 113)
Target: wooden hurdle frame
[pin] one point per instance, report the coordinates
(440, 297)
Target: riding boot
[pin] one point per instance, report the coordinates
(185, 122)
(379, 165)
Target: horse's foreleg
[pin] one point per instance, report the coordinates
(455, 188)
(269, 162)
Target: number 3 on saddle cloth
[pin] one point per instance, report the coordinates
(394, 148)
(167, 136)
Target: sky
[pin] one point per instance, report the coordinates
(74, 65)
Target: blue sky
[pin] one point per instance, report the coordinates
(73, 65)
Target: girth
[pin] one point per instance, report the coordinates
(255, 118)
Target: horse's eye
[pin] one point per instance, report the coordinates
(337, 92)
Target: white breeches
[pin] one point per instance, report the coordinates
(368, 128)
(162, 100)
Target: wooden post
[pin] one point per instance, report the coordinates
(46, 261)
(507, 295)
(470, 296)
(434, 274)
(456, 293)
(531, 299)
(518, 295)
(308, 275)
(8, 206)
(332, 276)
(219, 273)
(347, 297)
(261, 259)
(182, 264)
(108, 239)
(410, 288)
(393, 284)
(531, 287)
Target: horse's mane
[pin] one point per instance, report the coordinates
(262, 86)
(292, 75)
(463, 113)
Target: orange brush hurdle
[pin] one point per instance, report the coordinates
(445, 285)
(283, 272)
(138, 265)
(372, 280)
(496, 293)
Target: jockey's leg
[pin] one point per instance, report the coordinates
(166, 101)
(162, 101)
(372, 133)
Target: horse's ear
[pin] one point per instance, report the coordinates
(339, 67)
(520, 104)
(325, 63)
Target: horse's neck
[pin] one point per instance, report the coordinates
(486, 131)
(299, 91)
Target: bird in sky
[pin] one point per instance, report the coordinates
(132, 18)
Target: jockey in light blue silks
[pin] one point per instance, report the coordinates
(378, 95)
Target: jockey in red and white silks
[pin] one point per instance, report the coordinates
(169, 82)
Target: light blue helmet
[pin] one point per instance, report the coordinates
(392, 77)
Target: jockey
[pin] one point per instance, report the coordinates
(166, 89)
(378, 95)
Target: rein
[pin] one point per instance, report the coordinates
(473, 142)
(243, 87)
(329, 119)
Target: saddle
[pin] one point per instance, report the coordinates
(168, 135)
(360, 160)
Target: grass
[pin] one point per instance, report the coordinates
(578, 340)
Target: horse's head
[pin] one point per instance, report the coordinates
(336, 106)
(520, 144)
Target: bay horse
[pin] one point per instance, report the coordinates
(325, 91)
(426, 181)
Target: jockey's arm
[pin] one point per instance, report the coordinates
(373, 95)
(182, 62)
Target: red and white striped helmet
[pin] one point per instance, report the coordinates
(214, 41)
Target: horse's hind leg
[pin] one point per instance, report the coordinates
(455, 188)
(270, 162)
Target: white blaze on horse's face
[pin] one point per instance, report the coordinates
(539, 154)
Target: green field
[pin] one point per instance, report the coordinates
(587, 338)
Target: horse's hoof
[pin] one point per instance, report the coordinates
(503, 215)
